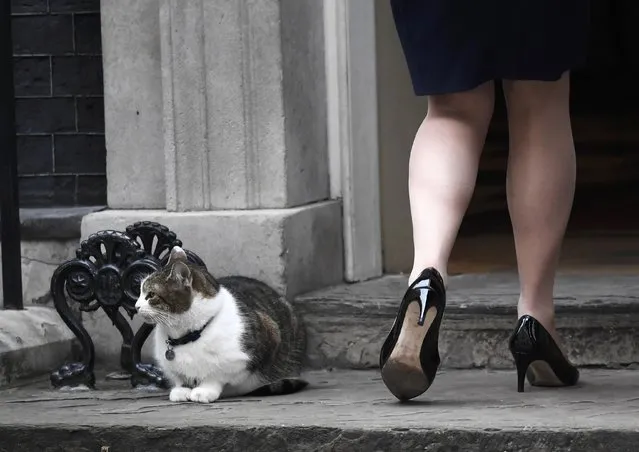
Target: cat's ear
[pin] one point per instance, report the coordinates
(181, 273)
(177, 255)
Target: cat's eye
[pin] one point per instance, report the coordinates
(150, 295)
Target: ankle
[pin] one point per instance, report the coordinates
(418, 271)
(544, 312)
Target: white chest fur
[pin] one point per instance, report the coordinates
(217, 355)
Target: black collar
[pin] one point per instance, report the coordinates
(191, 336)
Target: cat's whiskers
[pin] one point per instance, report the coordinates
(158, 317)
(161, 317)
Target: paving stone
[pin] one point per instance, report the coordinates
(341, 411)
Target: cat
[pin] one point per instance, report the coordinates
(221, 338)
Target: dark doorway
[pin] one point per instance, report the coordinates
(605, 115)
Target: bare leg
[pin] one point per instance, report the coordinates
(443, 170)
(541, 185)
(442, 175)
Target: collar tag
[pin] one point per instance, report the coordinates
(170, 353)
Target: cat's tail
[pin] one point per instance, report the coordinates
(280, 387)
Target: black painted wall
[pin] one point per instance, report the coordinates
(59, 102)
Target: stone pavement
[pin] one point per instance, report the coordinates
(465, 410)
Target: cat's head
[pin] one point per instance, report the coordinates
(175, 290)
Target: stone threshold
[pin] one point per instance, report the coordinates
(597, 317)
(473, 410)
(53, 223)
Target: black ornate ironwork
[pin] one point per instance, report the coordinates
(106, 273)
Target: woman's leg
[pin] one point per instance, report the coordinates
(443, 171)
(541, 185)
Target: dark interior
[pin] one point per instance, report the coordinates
(605, 115)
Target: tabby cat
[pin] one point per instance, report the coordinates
(221, 338)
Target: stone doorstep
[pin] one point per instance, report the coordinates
(597, 316)
(464, 410)
(32, 342)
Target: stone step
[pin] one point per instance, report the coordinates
(597, 318)
(464, 410)
(32, 341)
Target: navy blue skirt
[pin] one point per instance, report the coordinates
(456, 45)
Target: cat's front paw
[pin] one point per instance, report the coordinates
(204, 395)
(180, 394)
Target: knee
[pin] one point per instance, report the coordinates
(473, 107)
(537, 98)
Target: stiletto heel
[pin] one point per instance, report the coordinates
(538, 357)
(410, 355)
(521, 362)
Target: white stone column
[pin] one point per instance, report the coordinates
(133, 104)
(243, 139)
(244, 103)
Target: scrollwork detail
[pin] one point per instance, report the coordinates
(75, 280)
(106, 273)
(156, 239)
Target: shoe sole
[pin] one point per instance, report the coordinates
(403, 374)
(541, 374)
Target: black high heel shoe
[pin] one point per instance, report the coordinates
(538, 357)
(410, 355)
